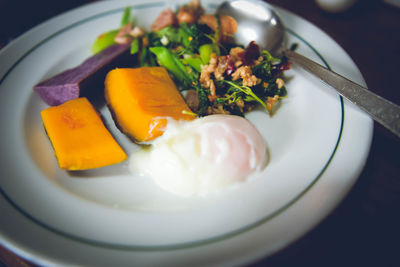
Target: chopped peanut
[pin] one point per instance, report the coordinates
(245, 73)
(280, 83)
(137, 32)
(271, 101)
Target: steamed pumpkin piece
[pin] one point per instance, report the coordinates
(79, 137)
(141, 100)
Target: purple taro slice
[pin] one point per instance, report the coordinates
(83, 79)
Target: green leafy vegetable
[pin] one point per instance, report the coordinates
(203, 100)
(247, 90)
(107, 39)
(167, 36)
(263, 69)
(194, 62)
(135, 46)
(143, 56)
(126, 17)
(171, 63)
(103, 41)
(205, 52)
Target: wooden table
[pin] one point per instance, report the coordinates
(364, 229)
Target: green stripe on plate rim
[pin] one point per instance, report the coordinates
(190, 244)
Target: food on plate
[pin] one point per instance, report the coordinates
(203, 156)
(226, 26)
(79, 137)
(198, 52)
(125, 34)
(165, 18)
(190, 12)
(85, 78)
(141, 100)
(184, 69)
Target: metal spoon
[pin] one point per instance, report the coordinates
(258, 22)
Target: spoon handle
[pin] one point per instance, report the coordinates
(380, 109)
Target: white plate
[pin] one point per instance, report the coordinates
(318, 145)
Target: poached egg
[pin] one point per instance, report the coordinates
(202, 156)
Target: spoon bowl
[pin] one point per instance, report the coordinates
(257, 21)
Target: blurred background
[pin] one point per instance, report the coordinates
(364, 229)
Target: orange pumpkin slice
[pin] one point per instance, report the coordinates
(142, 99)
(79, 137)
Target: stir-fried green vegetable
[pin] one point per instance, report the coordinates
(103, 41)
(227, 78)
(108, 38)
